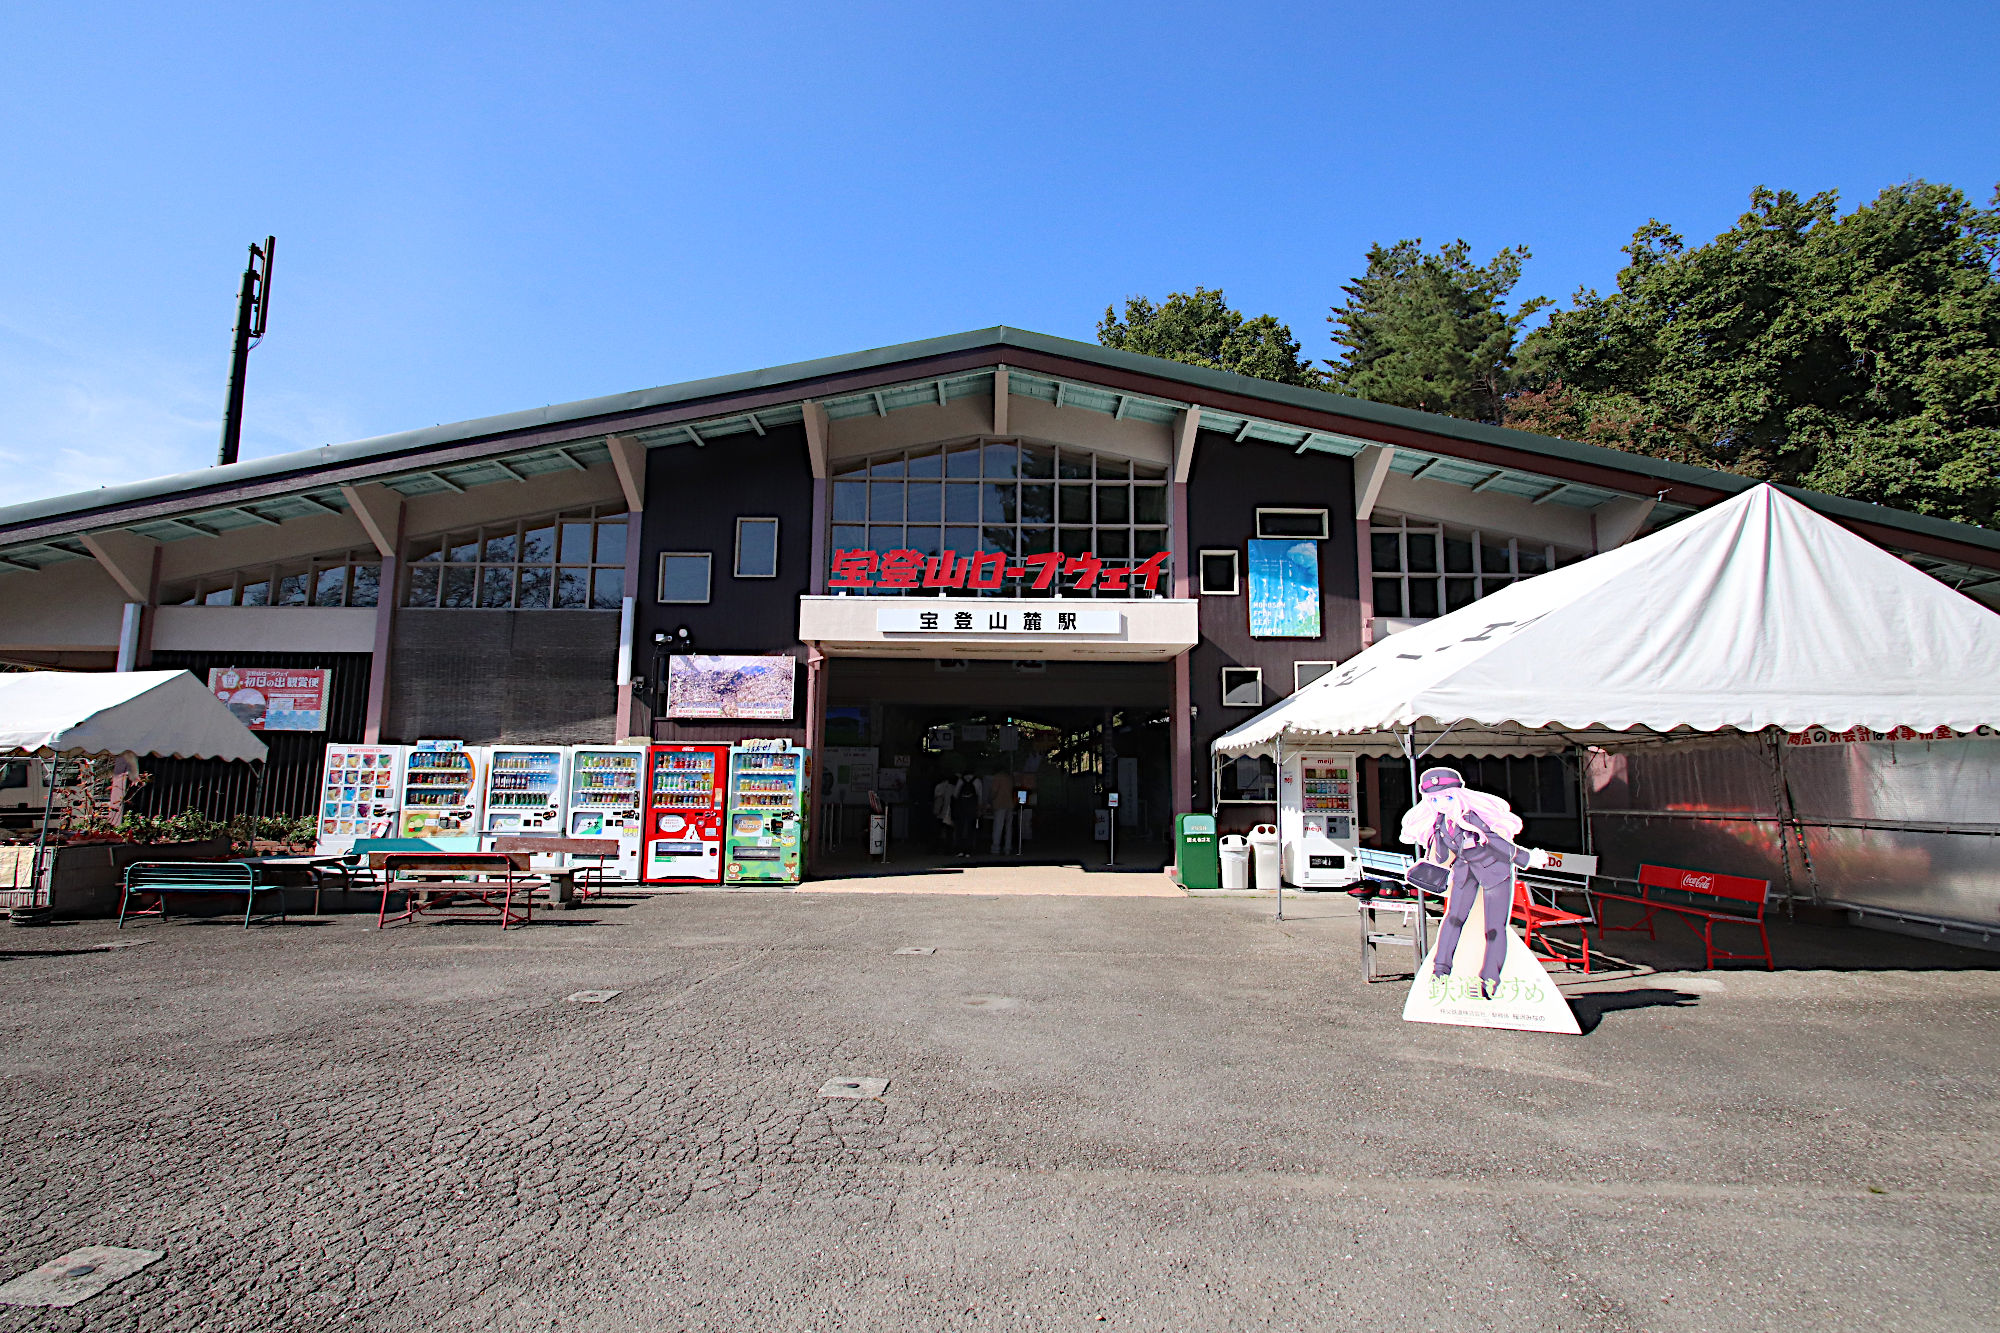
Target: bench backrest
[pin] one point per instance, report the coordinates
(218, 876)
(1708, 884)
(552, 844)
(448, 861)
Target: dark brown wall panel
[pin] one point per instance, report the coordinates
(501, 677)
(1229, 483)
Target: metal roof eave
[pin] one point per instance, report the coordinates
(801, 375)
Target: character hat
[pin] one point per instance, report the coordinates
(1439, 779)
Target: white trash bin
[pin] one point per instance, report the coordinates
(1264, 850)
(1235, 851)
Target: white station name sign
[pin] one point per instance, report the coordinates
(1053, 622)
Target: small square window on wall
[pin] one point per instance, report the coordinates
(684, 576)
(1309, 523)
(1305, 673)
(1219, 576)
(756, 548)
(1242, 687)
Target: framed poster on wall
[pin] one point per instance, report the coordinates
(1284, 588)
(274, 698)
(756, 688)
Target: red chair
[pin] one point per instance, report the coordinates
(1534, 916)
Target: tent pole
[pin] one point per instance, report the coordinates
(42, 838)
(1278, 807)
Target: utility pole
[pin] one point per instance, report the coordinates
(253, 308)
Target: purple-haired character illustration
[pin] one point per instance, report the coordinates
(1470, 833)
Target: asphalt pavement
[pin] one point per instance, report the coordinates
(1129, 1113)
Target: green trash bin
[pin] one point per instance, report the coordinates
(1196, 865)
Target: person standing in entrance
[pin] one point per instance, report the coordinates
(964, 812)
(941, 811)
(1000, 808)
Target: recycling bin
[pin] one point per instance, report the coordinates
(1264, 852)
(1196, 865)
(1235, 858)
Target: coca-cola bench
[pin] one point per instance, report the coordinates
(1704, 899)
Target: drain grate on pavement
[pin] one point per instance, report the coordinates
(77, 1276)
(862, 1088)
(592, 996)
(918, 948)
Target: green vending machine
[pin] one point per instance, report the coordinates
(765, 840)
(1197, 864)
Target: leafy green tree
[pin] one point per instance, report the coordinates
(1202, 330)
(1431, 330)
(1855, 354)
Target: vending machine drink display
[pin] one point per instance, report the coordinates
(359, 796)
(684, 807)
(767, 795)
(1317, 821)
(524, 789)
(605, 801)
(441, 792)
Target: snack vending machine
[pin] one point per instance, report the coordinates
(441, 792)
(605, 801)
(524, 790)
(1318, 821)
(358, 796)
(767, 813)
(684, 805)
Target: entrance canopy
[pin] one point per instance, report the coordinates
(168, 714)
(1756, 613)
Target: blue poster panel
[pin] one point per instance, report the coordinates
(1284, 589)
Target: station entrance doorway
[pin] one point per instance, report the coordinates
(947, 746)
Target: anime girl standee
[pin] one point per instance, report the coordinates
(1470, 833)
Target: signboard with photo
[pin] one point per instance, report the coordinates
(754, 688)
(1284, 588)
(274, 698)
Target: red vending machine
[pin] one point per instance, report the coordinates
(686, 788)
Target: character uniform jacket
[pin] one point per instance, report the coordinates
(1485, 854)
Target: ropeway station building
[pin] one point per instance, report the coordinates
(991, 548)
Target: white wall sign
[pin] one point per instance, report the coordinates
(975, 619)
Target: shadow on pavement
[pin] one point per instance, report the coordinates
(1591, 1009)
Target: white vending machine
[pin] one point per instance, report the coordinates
(1319, 821)
(361, 790)
(442, 787)
(525, 785)
(605, 801)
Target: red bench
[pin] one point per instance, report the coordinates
(1535, 916)
(1716, 900)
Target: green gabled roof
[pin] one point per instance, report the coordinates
(209, 486)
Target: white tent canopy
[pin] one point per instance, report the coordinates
(1756, 613)
(164, 713)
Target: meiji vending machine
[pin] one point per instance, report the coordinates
(441, 791)
(605, 801)
(1318, 821)
(524, 790)
(684, 805)
(767, 813)
(359, 795)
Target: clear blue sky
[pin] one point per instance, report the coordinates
(481, 208)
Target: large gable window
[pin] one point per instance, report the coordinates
(341, 578)
(1007, 497)
(573, 561)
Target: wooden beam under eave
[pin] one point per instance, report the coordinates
(1000, 393)
(1616, 522)
(127, 558)
(1372, 467)
(380, 511)
(817, 437)
(628, 460)
(1185, 429)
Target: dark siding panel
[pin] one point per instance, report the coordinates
(222, 790)
(1227, 486)
(693, 498)
(501, 677)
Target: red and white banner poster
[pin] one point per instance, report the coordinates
(274, 698)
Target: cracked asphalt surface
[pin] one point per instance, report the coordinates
(1123, 1113)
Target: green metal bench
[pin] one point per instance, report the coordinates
(161, 878)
